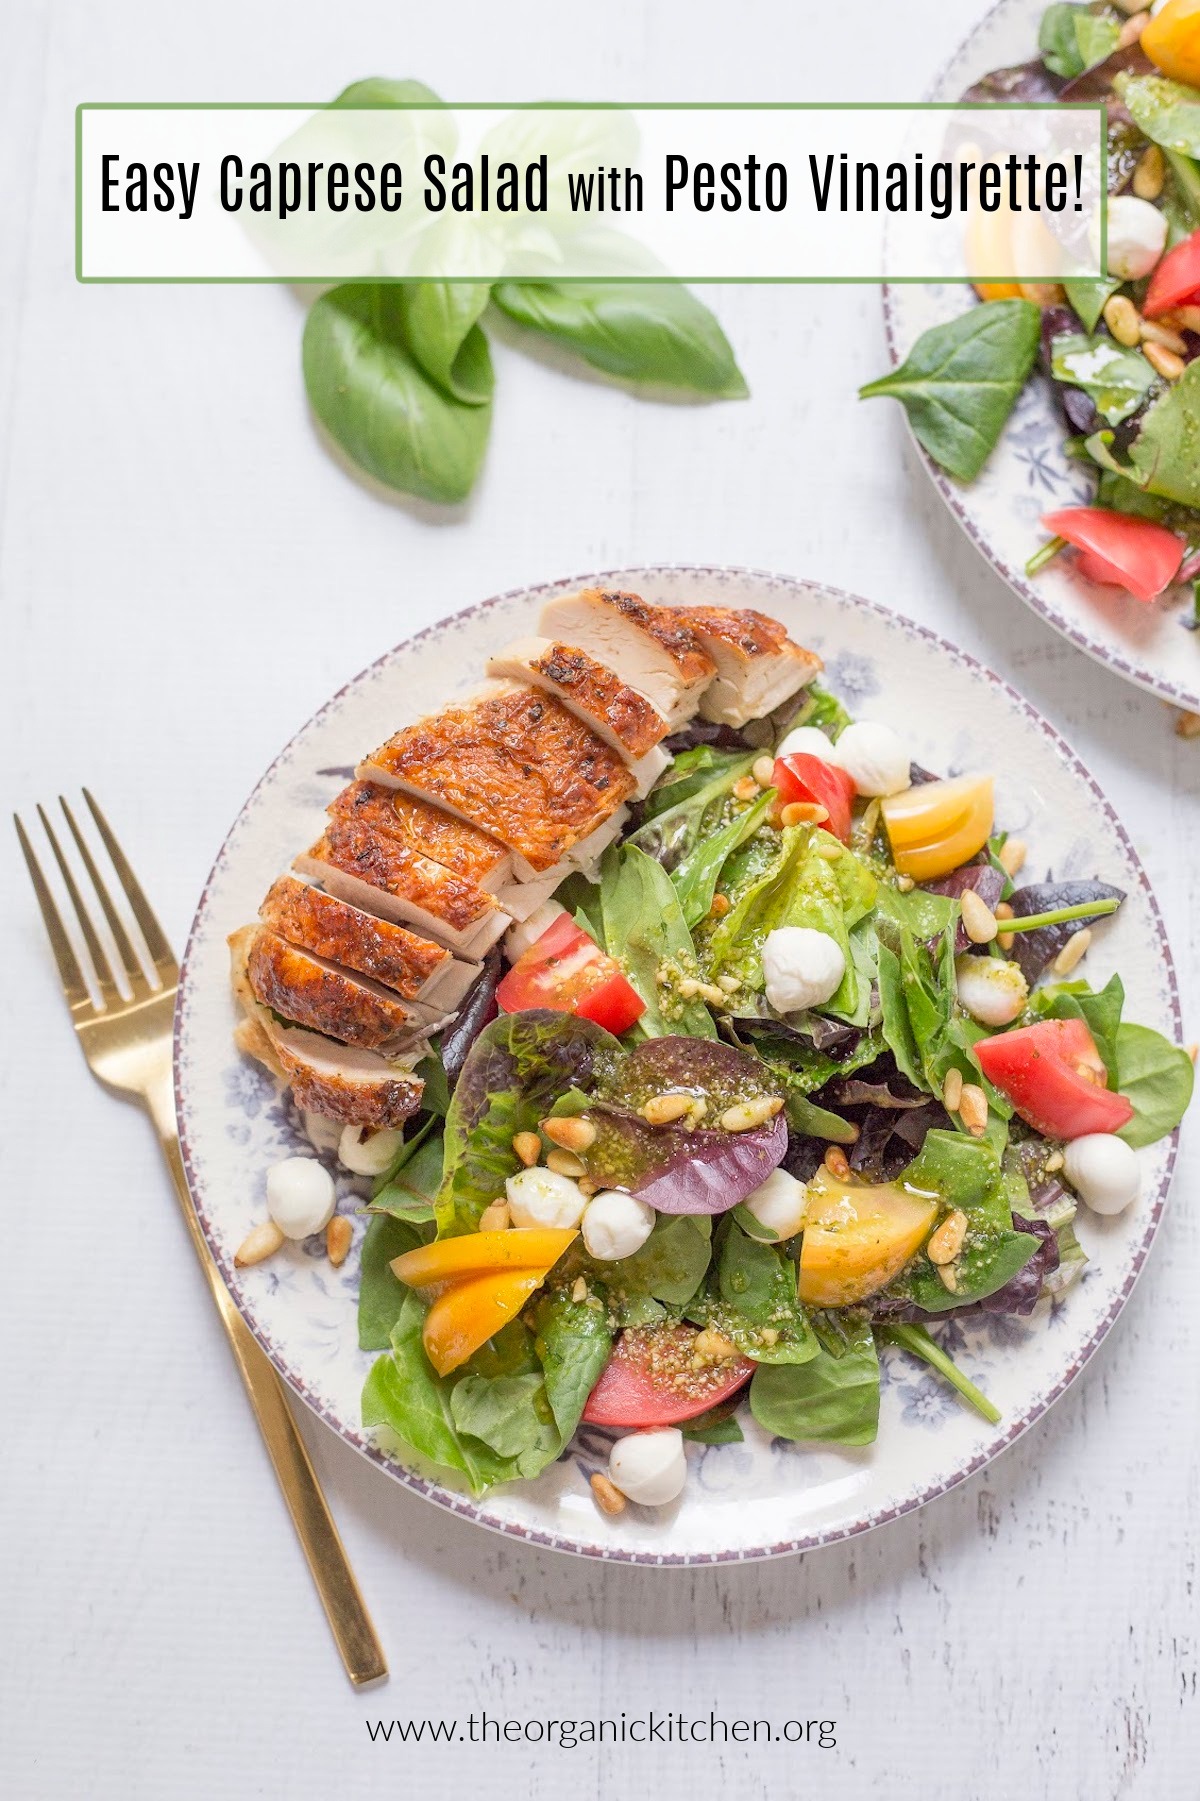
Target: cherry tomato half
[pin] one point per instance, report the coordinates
(1136, 554)
(649, 1380)
(1055, 1078)
(800, 777)
(1176, 279)
(567, 971)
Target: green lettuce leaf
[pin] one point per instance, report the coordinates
(833, 1397)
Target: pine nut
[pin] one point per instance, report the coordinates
(829, 848)
(495, 1218)
(1054, 1163)
(803, 812)
(1156, 333)
(764, 771)
(576, 1134)
(1131, 31)
(1005, 940)
(528, 1147)
(339, 1235)
(1124, 322)
(563, 1163)
(609, 1498)
(1150, 174)
(663, 1109)
(1164, 362)
(745, 1115)
(746, 789)
(905, 884)
(714, 1347)
(588, 1186)
(263, 1241)
(579, 1292)
(1188, 725)
(728, 984)
(1013, 853)
(1193, 1051)
(947, 1241)
(1042, 293)
(836, 1164)
(720, 905)
(979, 922)
(1073, 951)
(952, 1089)
(1183, 318)
(973, 1109)
(949, 1276)
(689, 988)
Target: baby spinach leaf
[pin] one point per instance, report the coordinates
(717, 1427)
(1157, 1077)
(375, 399)
(655, 333)
(1166, 450)
(644, 928)
(441, 328)
(379, 91)
(380, 1294)
(1089, 297)
(502, 1412)
(669, 1267)
(411, 1192)
(573, 1341)
(965, 1173)
(1116, 379)
(833, 1397)
(752, 1298)
(1165, 110)
(1074, 38)
(960, 382)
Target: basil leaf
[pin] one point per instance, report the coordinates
(960, 382)
(1157, 1077)
(377, 402)
(1116, 379)
(440, 320)
(1096, 37)
(380, 1294)
(655, 333)
(832, 1398)
(1165, 110)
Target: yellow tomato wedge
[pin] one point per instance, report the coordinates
(453, 1259)
(470, 1312)
(857, 1237)
(935, 826)
(1172, 40)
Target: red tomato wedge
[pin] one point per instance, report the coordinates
(649, 1380)
(803, 778)
(1176, 280)
(1055, 1078)
(567, 971)
(1135, 554)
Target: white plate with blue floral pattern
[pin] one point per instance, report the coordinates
(1029, 473)
(761, 1498)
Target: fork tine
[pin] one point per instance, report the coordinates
(156, 940)
(96, 951)
(69, 972)
(134, 973)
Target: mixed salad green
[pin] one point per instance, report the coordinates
(1121, 354)
(802, 1074)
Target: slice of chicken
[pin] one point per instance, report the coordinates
(311, 991)
(758, 666)
(381, 875)
(614, 711)
(391, 955)
(353, 1086)
(515, 762)
(650, 648)
(427, 829)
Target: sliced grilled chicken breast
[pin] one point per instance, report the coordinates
(381, 875)
(427, 829)
(332, 928)
(354, 1086)
(614, 711)
(650, 648)
(515, 761)
(311, 991)
(758, 666)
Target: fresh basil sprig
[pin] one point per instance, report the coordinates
(960, 381)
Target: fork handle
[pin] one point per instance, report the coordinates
(345, 1609)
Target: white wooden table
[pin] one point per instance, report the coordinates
(185, 576)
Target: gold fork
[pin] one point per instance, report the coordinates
(127, 1043)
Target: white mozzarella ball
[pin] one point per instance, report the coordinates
(371, 1154)
(807, 741)
(526, 932)
(300, 1196)
(649, 1467)
(991, 990)
(616, 1225)
(875, 758)
(539, 1197)
(802, 968)
(779, 1204)
(1137, 236)
(1103, 1170)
